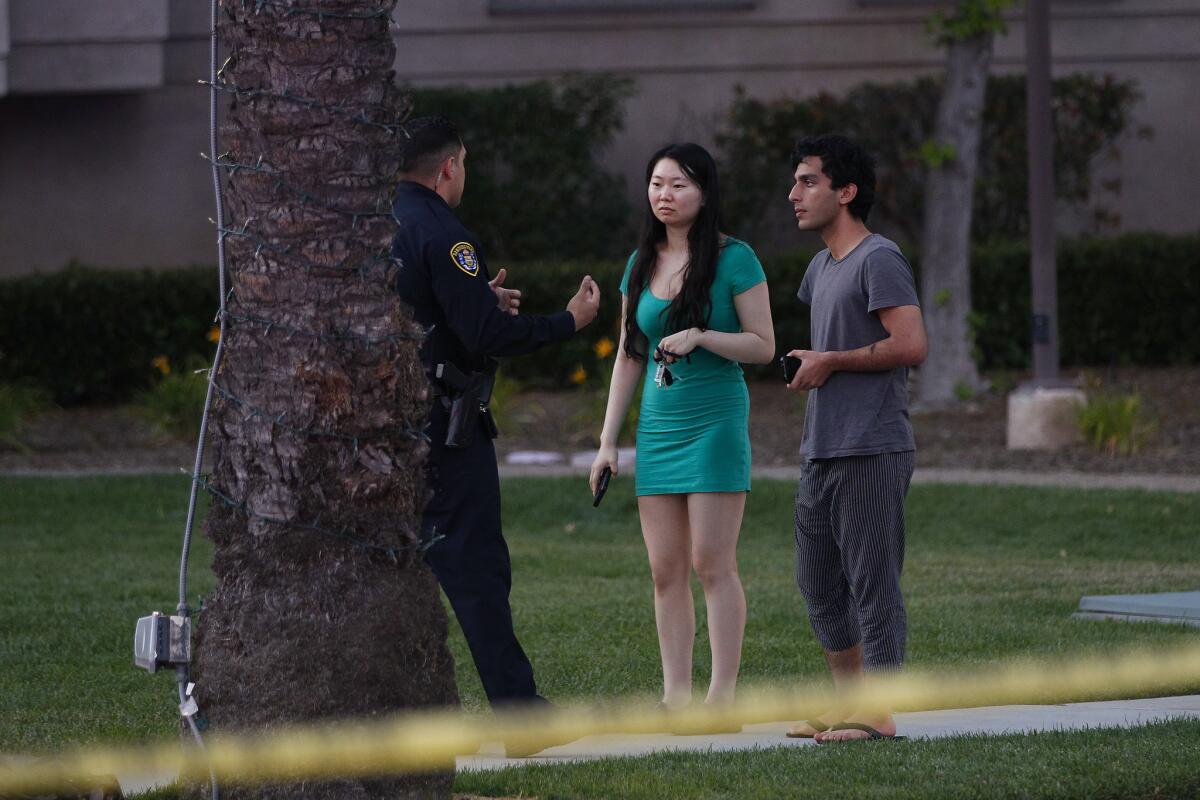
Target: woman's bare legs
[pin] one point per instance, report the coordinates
(715, 520)
(665, 529)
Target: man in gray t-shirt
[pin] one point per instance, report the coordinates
(858, 444)
(857, 413)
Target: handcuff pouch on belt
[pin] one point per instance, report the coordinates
(467, 394)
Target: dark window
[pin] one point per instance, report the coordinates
(1016, 8)
(624, 6)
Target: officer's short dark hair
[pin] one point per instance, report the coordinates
(425, 143)
(843, 161)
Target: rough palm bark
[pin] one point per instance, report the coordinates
(950, 373)
(323, 607)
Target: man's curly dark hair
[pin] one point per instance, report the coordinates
(844, 161)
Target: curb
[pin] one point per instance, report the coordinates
(1159, 482)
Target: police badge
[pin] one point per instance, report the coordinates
(463, 256)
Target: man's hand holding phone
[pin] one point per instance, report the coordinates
(790, 365)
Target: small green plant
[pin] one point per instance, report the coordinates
(935, 154)
(1115, 423)
(964, 391)
(19, 402)
(1003, 381)
(176, 402)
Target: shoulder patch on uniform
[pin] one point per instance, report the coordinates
(463, 256)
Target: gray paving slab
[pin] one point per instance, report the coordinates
(133, 783)
(1169, 607)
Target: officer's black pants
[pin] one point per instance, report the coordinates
(471, 560)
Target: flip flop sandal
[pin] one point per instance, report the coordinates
(815, 724)
(872, 734)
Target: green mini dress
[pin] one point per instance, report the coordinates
(694, 436)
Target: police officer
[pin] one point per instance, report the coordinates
(473, 317)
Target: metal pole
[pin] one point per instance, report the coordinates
(1041, 193)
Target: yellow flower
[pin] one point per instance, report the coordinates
(162, 364)
(579, 375)
(604, 348)
(214, 334)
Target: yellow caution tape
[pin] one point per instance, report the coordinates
(418, 742)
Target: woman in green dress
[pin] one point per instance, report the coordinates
(695, 305)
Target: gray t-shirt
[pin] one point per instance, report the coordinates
(857, 413)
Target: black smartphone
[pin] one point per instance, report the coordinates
(790, 364)
(601, 486)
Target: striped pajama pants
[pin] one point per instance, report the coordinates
(850, 551)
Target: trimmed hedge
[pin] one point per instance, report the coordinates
(89, 335)
(1129, 299)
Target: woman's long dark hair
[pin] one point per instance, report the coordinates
(692, 306)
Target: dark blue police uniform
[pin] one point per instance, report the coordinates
(444, 278)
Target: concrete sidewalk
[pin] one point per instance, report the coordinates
(1167, 482)
(921, 725)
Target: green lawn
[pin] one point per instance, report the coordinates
(992, 574)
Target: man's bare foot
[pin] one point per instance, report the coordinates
(883, 727)
(811, 727)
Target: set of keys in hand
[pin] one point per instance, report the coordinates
(662, 376)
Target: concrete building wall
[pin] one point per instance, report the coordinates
(4, 47)
(101, 132)
(103, 122)
(84, 46)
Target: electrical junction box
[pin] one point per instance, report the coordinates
(161, 641)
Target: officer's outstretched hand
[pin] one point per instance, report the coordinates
(508, 300)
(586, 303)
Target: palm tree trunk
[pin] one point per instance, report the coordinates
(323, 606)
(949, 373)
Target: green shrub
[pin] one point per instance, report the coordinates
(1127, 299)
(536, 185)
(895, 121)
(19, 402)
(175, 403)
(89, 335)
(1115, 423)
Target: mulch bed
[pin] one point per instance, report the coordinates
(970, 437)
